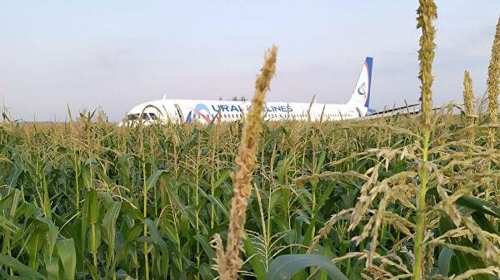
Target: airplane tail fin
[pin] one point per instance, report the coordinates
(361, 95)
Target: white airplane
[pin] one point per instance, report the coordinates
(206, 111)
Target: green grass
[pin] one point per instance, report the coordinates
(88, 199)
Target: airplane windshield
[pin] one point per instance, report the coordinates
(146, 116)
(132, 117)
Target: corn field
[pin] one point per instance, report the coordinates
(87, 200)
(402, 197)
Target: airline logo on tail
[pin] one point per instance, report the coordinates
(362, 90)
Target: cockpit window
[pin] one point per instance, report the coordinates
(145, 116)
(132, 117)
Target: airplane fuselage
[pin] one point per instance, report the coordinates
(206, 111)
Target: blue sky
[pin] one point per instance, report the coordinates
(115, 54)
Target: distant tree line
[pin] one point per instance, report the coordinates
(234, 98)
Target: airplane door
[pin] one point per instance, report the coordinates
(179, 113)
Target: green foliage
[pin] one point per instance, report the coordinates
(88, 200)
(284, 267)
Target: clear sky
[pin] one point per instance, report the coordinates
(113, 54)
